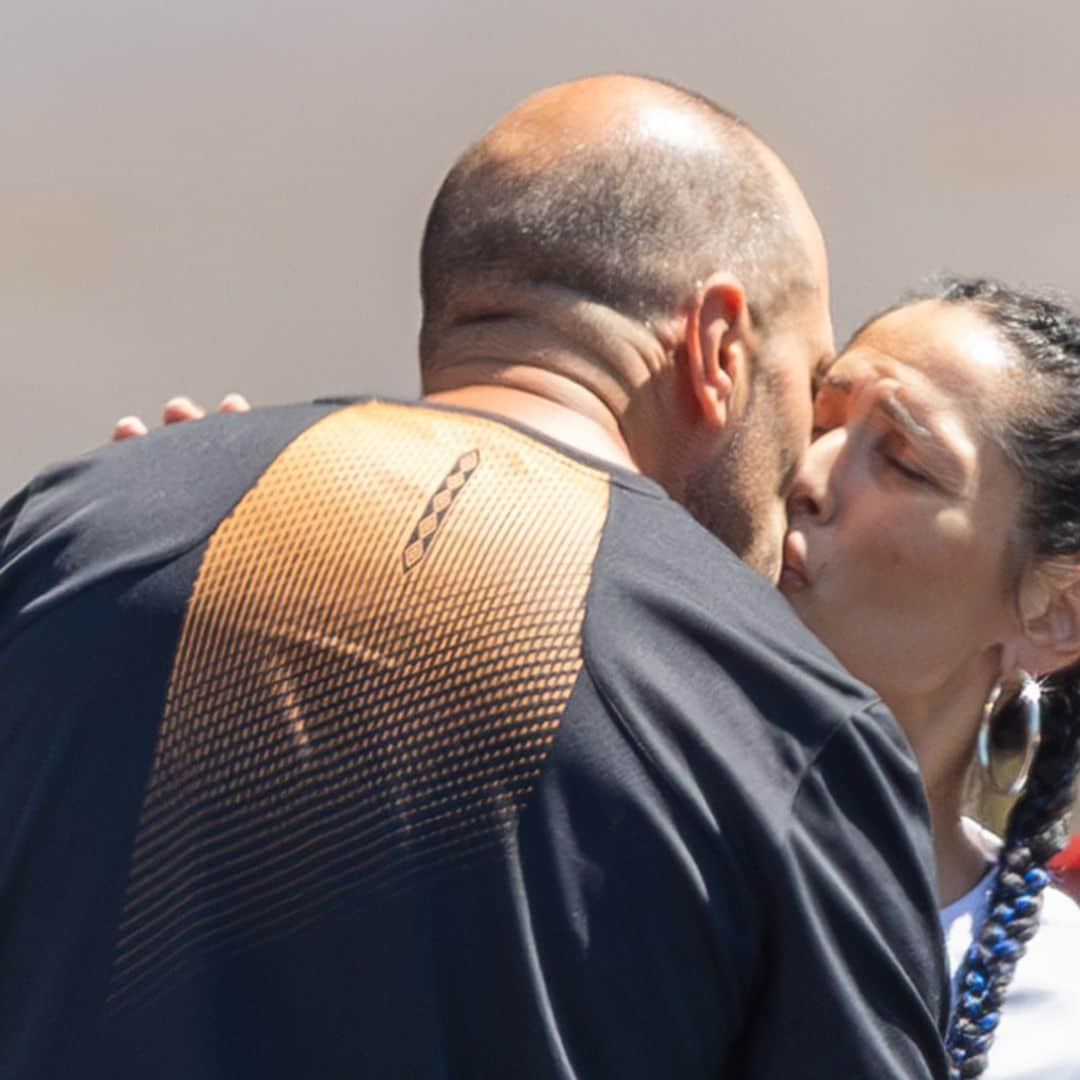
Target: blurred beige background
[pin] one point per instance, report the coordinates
(208, 196)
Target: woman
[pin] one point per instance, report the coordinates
(934, 545)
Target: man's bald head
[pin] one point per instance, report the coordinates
(626, 190)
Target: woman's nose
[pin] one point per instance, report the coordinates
(812, 495)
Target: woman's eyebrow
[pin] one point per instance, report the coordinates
(889, 404)
(899, 413)
(950, 468)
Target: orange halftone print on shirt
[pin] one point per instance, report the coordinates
(373, 664)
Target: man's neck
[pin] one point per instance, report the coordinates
(574, 370)
(556, 408)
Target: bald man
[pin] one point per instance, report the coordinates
(367, 739)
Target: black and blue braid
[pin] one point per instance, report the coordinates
(1036, 832)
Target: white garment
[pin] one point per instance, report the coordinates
(1039, 1034)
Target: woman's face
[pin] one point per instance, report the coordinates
(902, 546)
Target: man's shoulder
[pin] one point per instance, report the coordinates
(133, 504)
(663, 584)
(703, 659)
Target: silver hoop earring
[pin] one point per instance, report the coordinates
(1028, 697)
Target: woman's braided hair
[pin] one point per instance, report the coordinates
(1042, 439)
(1036, 832)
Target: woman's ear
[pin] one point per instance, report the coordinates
(1050, 616)
(719, 348)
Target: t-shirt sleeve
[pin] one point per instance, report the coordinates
(857, 923)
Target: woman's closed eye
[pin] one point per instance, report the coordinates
(910, 473)
(891, 451)
(895, 459)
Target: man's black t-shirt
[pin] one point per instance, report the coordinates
(375, 740)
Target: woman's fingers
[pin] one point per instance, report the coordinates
(234, 403)
(128, 427)
(177, 410)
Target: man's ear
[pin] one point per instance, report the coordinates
(719, 348)
(1050, 616)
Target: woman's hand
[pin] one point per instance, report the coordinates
(176, 411)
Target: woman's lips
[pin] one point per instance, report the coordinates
(793, 572)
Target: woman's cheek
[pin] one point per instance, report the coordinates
(888, 546)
